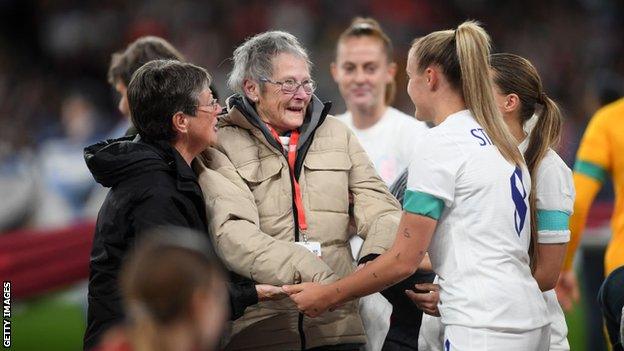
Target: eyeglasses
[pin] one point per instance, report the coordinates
(212, 107)
(290, 86)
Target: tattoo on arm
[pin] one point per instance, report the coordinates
(406, 233)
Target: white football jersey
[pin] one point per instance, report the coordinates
(390, 142)
(555, 197)
(480, 246)
(555, 203)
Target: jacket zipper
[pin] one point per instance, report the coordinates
(296, 220)
(301, 332)
(302, 338)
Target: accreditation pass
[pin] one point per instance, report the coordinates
(312, 246)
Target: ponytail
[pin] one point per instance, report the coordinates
(516, 75)
(545, 135)
(473, 51)
(463, 55)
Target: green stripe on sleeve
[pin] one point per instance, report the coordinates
(552, 220)
(423, 204)
(591, 170)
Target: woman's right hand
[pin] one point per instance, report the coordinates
(427, 301)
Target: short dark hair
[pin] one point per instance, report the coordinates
(161, 88)
(141, 51)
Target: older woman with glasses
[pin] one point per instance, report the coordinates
(284, 217)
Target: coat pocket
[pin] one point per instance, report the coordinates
(263, 177)
(327, 181)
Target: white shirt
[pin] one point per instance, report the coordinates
(555, 197)
(480, 246)
(389, 142)
(555, 203)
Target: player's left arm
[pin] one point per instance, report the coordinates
(554, 201)
(412, 240)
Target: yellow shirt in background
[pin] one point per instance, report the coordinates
(600, 154)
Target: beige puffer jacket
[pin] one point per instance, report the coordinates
(254, 227)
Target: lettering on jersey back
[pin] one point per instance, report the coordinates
(480, 134)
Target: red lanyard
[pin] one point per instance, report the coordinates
(292, 156)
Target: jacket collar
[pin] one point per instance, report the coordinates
(186, 180)
(242, 113)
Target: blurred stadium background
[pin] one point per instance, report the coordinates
(54, 99)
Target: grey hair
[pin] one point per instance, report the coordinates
(253, 58)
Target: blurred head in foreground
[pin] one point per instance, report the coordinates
(174, 292)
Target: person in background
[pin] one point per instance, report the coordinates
(521, 97)
(65, 185)
(152, 183)
(122, 66)
(124, 63)
(174, 295)
(364, 70)
(611, 299)
(286, 218)
(598, 157)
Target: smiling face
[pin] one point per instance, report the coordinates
(362, 72)
(284, 112)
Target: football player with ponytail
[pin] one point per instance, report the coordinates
(467, 204)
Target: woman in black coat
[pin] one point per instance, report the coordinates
(152, 183)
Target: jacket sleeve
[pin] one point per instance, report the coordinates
(160, 208)
(235, 227)
(376, 211)
(242, 294)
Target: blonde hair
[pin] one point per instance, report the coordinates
(369, 27)
(463, 54)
